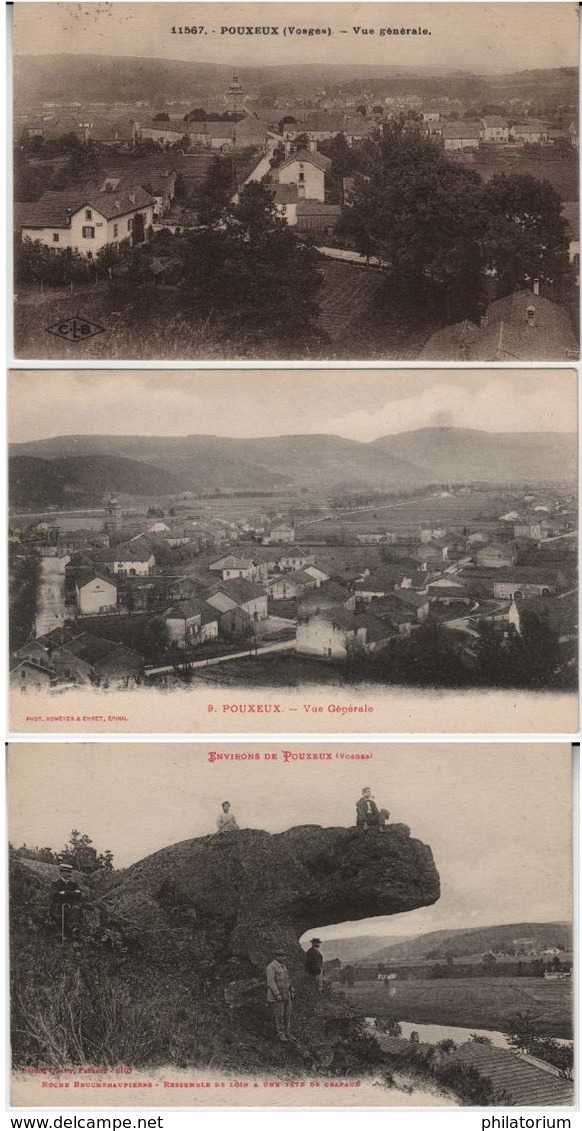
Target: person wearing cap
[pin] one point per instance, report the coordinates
(368, 815)
(65, 905)
(314, 964)
(226, 821)
(280, 994)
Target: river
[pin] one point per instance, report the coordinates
(432, 1034)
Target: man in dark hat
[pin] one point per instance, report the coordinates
(368, 815)
(65, 909)
(280, 994)
(314, 964)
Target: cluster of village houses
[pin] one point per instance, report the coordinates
(101, 213)
(324, 601)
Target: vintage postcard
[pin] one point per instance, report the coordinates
(397, 934)
(334, 181)
(293, 551)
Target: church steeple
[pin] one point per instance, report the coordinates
(234, 94)
(113, 517)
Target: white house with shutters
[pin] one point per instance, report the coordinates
(85, 221)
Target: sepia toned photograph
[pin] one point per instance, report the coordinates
(276, 551)
(398, 934)
(384, 182)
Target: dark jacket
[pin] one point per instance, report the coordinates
(366, 809)
(65, 892)
(313, 961)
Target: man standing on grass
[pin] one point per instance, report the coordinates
(279, 994)
(65, 909)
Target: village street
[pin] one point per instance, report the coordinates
(51, 596)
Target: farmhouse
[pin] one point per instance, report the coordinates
(290, 585)
(183, 621)
(132, 560)
(231, 567)
(530, 133)
(328, 632)
(461, 135)
(293, 558)
(85, 221)
(30, 675)
(494, 128)
(239, 594)
(495, 555)
(327, 596)
(306, 171)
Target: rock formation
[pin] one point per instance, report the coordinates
(246, 892)
(177, 945)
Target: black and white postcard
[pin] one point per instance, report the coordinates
(387, 182)
(397, 934)
(362, 551)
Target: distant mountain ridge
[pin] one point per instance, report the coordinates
(127, 78)
(81, 480)
(457, 943)
(331, 463)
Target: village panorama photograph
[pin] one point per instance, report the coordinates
(239, 532)
(382, 181)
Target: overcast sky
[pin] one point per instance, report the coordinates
(359, 405)
(497, 817)
(464, 36)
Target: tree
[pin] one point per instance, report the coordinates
(287, 120)
(423, 216)
(446, 1046)
(79, 852)
(489, 963)
(480, 1039)
(252, 271)
(162, 117)
(216, 190)
(522, 1029)
(138, 229)
(525, 236)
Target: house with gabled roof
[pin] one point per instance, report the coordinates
(294, 557)
(328, 632)
(231, 567)
(84, 220)
(183, 621)
(495, 555)
(327, 596)
(461, 135)
(134, 559)
(289, 586)
(494, 128)
(306, 171)
(246, 595)
(96, 593)
(518, 327)
(30, 675)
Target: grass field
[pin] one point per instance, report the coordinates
(480, 508)
(482, 1003)
(561, 172)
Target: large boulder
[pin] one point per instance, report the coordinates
(243, 893)
(176, 947)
